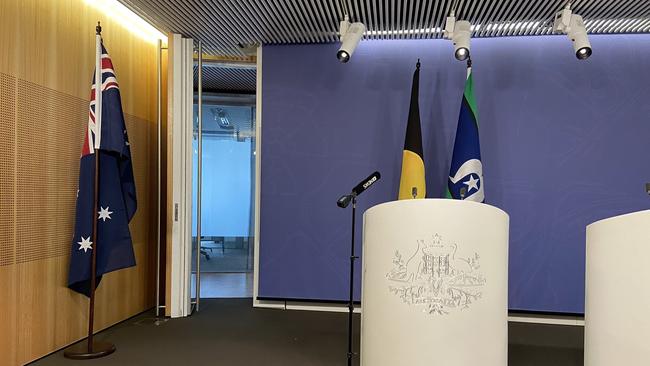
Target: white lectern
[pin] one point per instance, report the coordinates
(617, 301)
(435, 284)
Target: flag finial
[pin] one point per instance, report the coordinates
(417, 65)
(98, 29)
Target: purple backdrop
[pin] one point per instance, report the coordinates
(564, 143)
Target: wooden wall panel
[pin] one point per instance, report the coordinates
(8, 287)
(46, 67)
(8, 315)
(51, 43)
(143, 171)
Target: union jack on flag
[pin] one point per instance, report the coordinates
(117, 202)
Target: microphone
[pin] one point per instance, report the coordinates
(647, 188)
(463, 192)
(366, 183)
(414, 192)
(344, 201)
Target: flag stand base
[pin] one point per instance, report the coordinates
(81, 351)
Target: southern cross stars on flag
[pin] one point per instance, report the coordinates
(104, 214)
(85, 244)
(117, 198)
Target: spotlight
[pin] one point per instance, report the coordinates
(460, 33)
(350, 35)
(572, 25)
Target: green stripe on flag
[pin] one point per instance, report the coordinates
(469, 96)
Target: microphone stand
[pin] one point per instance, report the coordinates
(353, 258)
(343, 202)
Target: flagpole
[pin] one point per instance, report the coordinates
(98, 132)
(94, 349)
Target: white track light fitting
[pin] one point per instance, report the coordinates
(573, 26)
(460, 33)
(350, 36)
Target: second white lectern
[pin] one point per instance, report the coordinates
(435, 284)
(617, 301)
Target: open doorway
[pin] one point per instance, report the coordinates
(225, 258)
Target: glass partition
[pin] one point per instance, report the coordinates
(227, 195)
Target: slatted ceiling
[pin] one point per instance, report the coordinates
(530, 24)
(222, 24)
(227, 79)
(488, 12)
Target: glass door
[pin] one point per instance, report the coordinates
(223, 177)
(227, 197)
(197, 147)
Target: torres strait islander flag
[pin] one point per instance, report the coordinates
(105, 136)
(466, 173)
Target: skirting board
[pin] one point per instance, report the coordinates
(340, 308)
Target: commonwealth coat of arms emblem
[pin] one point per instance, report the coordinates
(436, 277)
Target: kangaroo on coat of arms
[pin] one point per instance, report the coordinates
(435, 277)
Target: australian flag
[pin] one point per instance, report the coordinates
(116, 203)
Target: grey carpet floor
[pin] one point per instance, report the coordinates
(230, 332)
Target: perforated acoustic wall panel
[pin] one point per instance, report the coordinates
(50, 127)
(50, 131)
(7, 167)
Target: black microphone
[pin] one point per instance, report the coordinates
(366, 183)
(344, 201)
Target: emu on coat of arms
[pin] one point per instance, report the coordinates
(436, 277)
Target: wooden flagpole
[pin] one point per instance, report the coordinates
(94, 349)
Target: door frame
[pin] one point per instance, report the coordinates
(179, 176)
